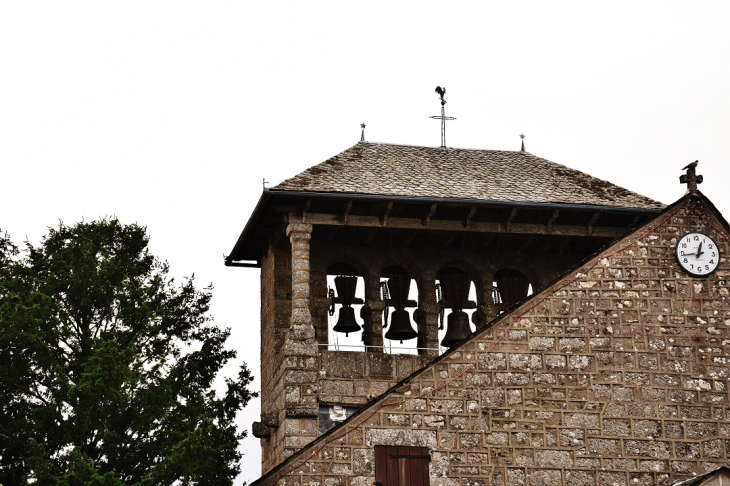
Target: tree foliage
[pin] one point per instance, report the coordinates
(107, 366)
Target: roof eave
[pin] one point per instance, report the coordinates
(464, 201)
(246, 233)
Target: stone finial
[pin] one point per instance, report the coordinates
(691, 178)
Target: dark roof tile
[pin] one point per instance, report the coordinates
(489, 175)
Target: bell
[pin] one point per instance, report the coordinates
(400, 326)
(346, 321)
(455, 285)
(458, 328)
(512, 286)
(346, 288)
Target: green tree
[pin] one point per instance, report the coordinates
(107, 366)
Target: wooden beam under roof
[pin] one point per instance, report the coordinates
(472, 211)
(474, 227)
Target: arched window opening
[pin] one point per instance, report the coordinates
(345, 292)
(399, 293)
(510, 287)
(455, 291)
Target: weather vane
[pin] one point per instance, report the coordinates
(362, 136)
(441, 92)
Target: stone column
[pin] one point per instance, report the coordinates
(301, 353)
(428, 314)
(299, 234)
(372, 312)
(486, 308)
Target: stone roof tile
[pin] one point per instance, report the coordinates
(489, 175)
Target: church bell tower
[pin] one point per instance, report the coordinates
(385, 256)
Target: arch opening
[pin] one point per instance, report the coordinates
(455, 291)
(345, 295)
(399, 293)
(510, 287)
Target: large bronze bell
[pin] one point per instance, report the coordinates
(400, 326)
(458, 328)
(346, 321)
(400, 321)
(346, 288)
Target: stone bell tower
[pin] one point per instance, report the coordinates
(381, 218)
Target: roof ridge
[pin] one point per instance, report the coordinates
(442, 148)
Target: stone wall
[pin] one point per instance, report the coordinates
(298, 373)
(349, 378)
(615, 375)
(275, 313)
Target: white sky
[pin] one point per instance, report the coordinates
(170, 114)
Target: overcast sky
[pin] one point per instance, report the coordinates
(170, 114)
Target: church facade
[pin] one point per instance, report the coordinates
(582, 343)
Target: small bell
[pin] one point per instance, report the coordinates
(400, 322)
(346, 321)
(346, 288)
(400, 326)
(458, 328)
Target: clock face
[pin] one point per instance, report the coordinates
(697, 254)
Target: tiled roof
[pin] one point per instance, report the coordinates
(489, 175)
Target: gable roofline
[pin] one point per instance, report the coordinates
(292, 460)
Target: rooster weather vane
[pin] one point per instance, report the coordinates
(441, 92)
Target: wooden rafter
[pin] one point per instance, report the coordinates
(472, 211)
(594, 218)
(552, 219)
(386, 214)
(451, 225)
(346, 212)
(429, 215)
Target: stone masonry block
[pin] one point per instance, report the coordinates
(301, 348)
(580, 478)
(380, 365)
(553, 458)
(300, 411)
(603, 446)
(343, 364)
(650, 448)
(403, 437)
(540, 343)
(581, 420)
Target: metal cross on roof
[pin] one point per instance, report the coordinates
(691, 178)
(441, 92)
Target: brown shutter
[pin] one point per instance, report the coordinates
(401, 466)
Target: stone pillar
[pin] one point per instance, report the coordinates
(428, 314)
(301, 353)
(486, 308)
(299, 234)
(372, 313)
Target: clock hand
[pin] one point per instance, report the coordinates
(699, 250)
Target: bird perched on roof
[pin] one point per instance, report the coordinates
(441, 92)
(692, 165)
